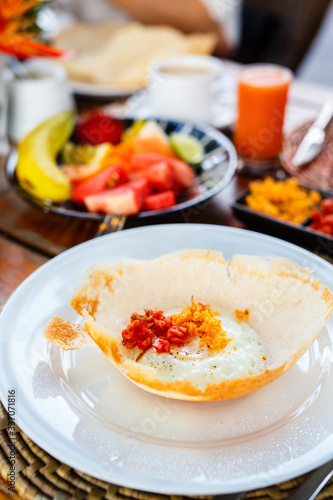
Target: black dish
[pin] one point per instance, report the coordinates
(299, 234)
(213, 175)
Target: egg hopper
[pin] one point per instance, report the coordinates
(287, 311)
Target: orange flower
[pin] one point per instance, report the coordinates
(17, 34)
(10, 9)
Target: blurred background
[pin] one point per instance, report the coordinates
(295, 33)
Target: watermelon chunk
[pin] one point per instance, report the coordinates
(159, 201)
(143, 186)
(182, 172)
(141, 161)
(159, 175)
(123, 200)
(108, 178)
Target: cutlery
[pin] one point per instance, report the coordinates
(313, 140)
(230, 496)
(310, 488)
(111, 224)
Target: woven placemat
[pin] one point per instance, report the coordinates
(39, 476)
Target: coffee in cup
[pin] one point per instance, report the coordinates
(184, 87)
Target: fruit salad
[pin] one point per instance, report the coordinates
(99, 164)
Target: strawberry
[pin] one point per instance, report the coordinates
(98, 128)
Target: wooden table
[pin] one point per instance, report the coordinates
(29, 237)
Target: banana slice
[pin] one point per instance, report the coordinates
(37, 170)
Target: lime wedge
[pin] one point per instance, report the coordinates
(187, 147)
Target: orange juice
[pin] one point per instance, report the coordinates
(262, 98)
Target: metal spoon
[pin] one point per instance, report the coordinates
(312, 485)
(308, 490)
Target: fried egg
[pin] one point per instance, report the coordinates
(243, 357)
(287, 312)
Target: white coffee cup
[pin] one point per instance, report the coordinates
(184, 87)
(33, 100)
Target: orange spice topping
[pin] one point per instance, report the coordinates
(242, 315)
(154, 329)
(284, 199)
(200, 321)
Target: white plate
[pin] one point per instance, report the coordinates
(139, 106)
(80, 409)
(100, 91)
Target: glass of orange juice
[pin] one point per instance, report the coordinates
(262, 98)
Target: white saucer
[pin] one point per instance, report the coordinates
(139, 106)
